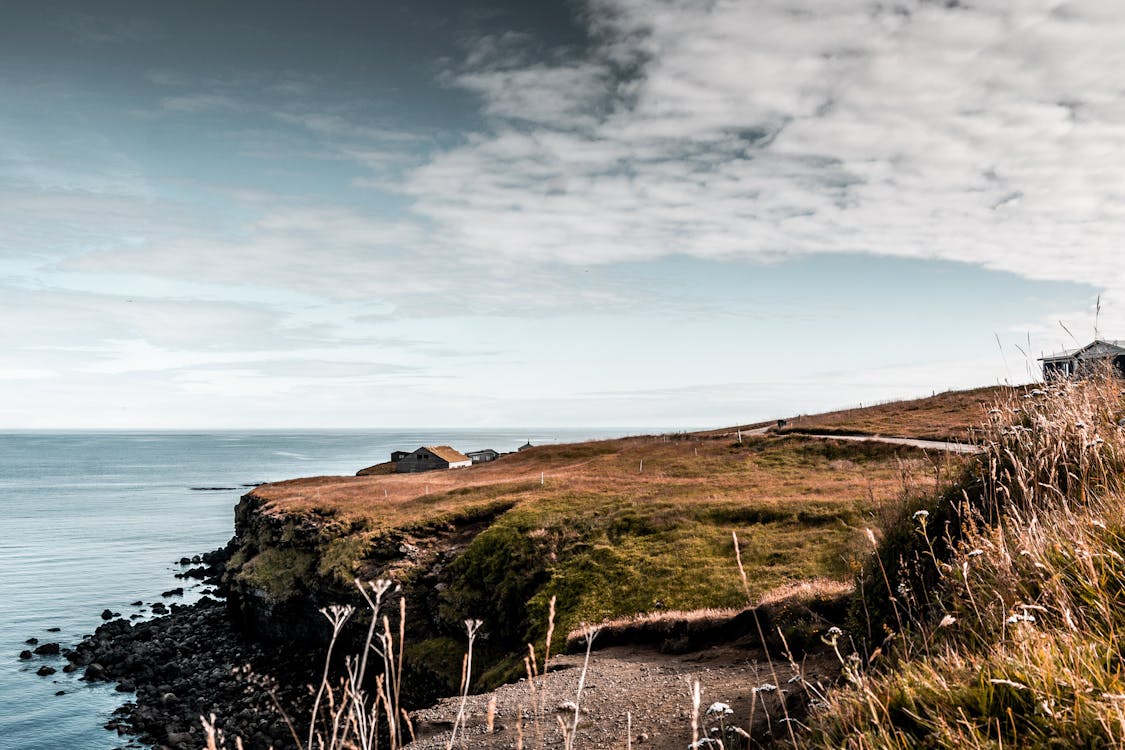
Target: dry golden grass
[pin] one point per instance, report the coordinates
(779, 475)
(1008, 594)
(950, 416)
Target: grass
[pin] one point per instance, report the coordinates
(989, 600)
(951, 416)
(607, 528)
(1002, 600)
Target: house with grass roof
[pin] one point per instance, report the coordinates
(432, 458)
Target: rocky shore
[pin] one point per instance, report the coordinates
(190, 662)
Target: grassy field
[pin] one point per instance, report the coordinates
(950, 416)
(611, 528)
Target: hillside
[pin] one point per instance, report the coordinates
(610, 528)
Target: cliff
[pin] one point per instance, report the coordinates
(609, 528)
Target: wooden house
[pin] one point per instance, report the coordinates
(483, 456)
(1085, 360)
(432, 458)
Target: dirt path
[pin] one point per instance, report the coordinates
(654, 688)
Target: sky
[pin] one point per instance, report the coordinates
(635, 213)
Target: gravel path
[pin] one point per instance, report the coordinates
(654, 688)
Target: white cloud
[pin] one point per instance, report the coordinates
(983, 133)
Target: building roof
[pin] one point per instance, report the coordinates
(1118, 344)
(445, 453)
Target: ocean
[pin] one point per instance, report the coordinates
(96, 520)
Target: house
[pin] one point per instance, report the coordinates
(483, 456)
(1085, 360)
(397, 456)
(432, 458)
(525, 446)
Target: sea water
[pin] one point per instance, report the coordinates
(96, 520)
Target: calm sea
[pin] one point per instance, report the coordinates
(94, 520)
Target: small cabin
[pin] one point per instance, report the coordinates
(525, 446)
(397, 456)
(483, 456)
(1085, 360)
(432, 458)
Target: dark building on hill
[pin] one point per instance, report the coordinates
(525, 446)
(397, 456)
(483, 456)
(432, 458)
(1085, 360)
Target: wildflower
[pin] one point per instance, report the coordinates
(719, 709)
(976, 553)
(835, 631)
(766, 687)
(1016, 619)
(704, 742)
(922, 514)
(947, 621)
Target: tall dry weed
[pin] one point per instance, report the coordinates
(1011, 593)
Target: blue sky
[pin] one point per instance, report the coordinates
(596, 212)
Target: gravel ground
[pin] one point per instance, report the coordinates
(654, 688)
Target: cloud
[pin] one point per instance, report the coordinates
(983, 134)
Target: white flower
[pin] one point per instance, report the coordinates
(766, 687)
(976, 553)
(719, 709)
(947, 621)
(923, 514)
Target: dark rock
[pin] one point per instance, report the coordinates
(160, 608)
(196, 559)
(137, 603)
(60, 692)
(67, 669)
(31, 641)
(125, 687)
(178, 591)
(45, 671)
(107, 615)
(53, 630)
(185, 561)
(25, 654)
(47, 649)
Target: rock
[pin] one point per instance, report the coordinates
(95, 671)
(45, 671)
(31, 641)
(159, 608)
(70, 668)
(126, 687)
(107, 615)
(185, 561)
(137, 603)
(178, 591)
(25, 654)
(53, 630)
(60, 692)
(47, 649)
